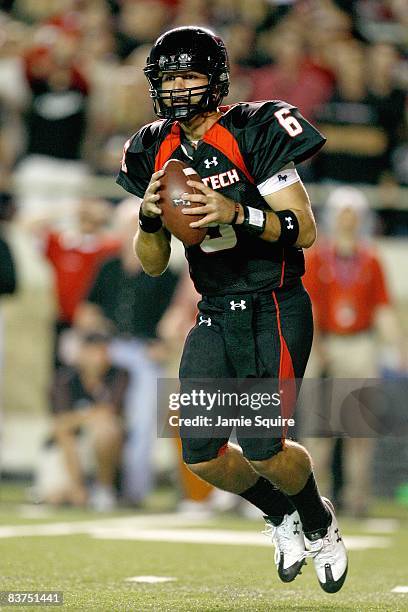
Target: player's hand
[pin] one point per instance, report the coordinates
(149, 205)
(217, 208)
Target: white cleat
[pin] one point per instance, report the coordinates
(290, 552)
(329, 555)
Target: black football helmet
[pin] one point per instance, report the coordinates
(188, 49)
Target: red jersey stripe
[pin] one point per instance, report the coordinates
(283, 269)
(287, 383)
(220, 138)
(167, 147)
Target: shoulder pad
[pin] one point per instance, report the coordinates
(146, 137)
(254, 113)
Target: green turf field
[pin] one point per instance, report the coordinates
(92, 561)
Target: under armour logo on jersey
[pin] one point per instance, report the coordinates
(211, 162)
(282, 177)
(296, 527)
(204, 321)
(241, 305)
(289, 220)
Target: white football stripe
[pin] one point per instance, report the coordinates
(188, 171)
(400, 589)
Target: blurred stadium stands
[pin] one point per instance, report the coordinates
(72, 91)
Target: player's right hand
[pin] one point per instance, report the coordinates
(149, 205)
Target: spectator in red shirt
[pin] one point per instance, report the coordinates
(75, 256)
(347, 286)
(292, 77)
(346, 282)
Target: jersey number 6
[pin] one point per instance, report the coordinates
(289, 122)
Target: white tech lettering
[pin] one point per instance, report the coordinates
(218, 181)
(215, 182)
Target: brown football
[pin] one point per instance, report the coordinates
(173, 185)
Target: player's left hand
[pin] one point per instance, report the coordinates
(217, 208)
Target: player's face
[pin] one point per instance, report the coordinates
(184, 80)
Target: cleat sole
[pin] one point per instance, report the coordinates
(334, 586)
(290, 574)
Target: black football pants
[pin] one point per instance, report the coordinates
(248, 336)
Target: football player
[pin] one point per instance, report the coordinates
(255, 318)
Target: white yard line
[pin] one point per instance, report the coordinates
(151, 579)
(75, 527)
(378, 525)
(218, 536)
(400, 589)
(150, 528)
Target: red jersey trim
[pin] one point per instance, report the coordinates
(283, 269)
(217, 136)
(287, 383)
(167, 147)
(220, 138)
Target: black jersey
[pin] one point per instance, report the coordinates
(249, 144)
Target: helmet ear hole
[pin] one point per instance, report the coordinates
(188, 49)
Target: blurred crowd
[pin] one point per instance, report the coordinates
(72, 90)
(75, 65)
